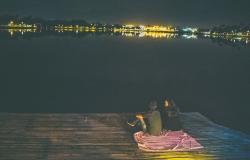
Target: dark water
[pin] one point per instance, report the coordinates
(121, 74)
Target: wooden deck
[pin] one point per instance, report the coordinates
(106, 136)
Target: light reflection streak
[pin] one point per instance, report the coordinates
(13, 31)
(190, 36)
(181, 155)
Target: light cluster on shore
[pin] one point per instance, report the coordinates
(130, 30)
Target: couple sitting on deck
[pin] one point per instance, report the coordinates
(158, 119)
(162, 130)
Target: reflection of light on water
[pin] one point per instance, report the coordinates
(22, 31)
(128, 34)
(157, 35)
(148, 34)
(191, 36)
(240, 39)
(11, 32)
(184, 156)
(128, 30)
(232, 38)
(207, 35)
(78, 30)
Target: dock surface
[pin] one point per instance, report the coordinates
(106, 136)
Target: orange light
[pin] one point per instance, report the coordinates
(139, 116)
(166, 103)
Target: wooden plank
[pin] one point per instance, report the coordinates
(106, 136)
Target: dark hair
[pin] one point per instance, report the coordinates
(173, 102)
(152, 105)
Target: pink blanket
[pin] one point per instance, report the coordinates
(167, 141)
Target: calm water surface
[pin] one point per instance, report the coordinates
(121, 74)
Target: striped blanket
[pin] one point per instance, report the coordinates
(167, 141)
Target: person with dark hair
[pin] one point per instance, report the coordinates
(154, 120)
(170, 116)
(151, 121)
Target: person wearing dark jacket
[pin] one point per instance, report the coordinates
(170, 116)
(150, 122)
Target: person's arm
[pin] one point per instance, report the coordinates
(132, 124)
(143, 125)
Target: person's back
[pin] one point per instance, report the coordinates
(155, 125)
(171, 120)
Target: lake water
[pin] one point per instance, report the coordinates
(122, 74)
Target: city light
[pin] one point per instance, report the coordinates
(189, 29)
(12, 24)
(130, 30)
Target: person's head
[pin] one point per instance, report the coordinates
(173, 102)
(153, 105)
(139, 116)
(166, 103)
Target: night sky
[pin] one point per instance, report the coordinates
(178, 12)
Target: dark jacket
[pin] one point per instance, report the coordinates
(170, 118)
